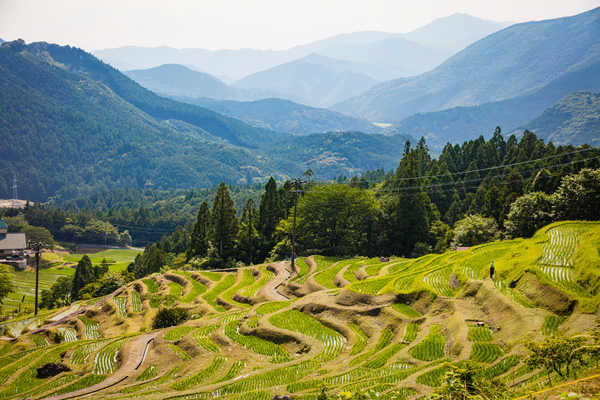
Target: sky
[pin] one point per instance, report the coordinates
(234, 24)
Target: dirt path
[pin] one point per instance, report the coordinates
(134, 353)
(339, 279)
(282, 274)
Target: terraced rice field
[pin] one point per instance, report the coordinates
(560, 247)
(68, 334)
(105, 362)
(339, 338)
(92, 328)
(297, 321)
(256, 344)
(431, 348)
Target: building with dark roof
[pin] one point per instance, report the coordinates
(12, 247)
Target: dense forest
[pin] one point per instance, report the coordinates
(472, 193)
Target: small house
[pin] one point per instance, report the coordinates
(12, 247)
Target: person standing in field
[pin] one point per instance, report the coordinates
(492, 270)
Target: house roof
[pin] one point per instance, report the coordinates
(12, 241)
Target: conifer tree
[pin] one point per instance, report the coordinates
(84, 274)
(224, 225)
(248, 238)
(199, 238)
(269, 215)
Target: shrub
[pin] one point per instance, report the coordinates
(169, 317)
(473, 230)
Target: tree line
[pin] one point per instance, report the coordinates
(470, 194)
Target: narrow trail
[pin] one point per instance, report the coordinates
(134, 358)
(282, 274)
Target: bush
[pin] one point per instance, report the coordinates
(169, 317)
(474, 229)
(529, 213)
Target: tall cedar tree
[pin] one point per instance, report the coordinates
(224, 224)
(84, 274)
(269, 215)
(407, 207)
(199, 239)
(248, 244)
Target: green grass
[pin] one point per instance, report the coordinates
(256, 344)
(175, 289)
(431, 348)
(294, 320)
(213, 276)
(406, 310)
(196, 290)
(326, 277)
(40, 340)
(151, 285)
(186, 383)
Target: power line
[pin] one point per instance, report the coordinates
(455, 183)
(496, 167)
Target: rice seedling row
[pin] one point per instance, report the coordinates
(196, 290)
(410, 332)
(234, 371)
(12, 366)
(202, 376)
(148, 373)
(256, 344)
(105, 362)
(326, 277)
(121, 303)
(294, 320)
(406, 310)
(550, 325)
(440, 281)
(480, 334)
(433, 377)
(246, 279)
(167, 377)
(177, 333)
(86, 381)
(485, 352)
(272, 307)
(560, 247)
(68, 334)
(361, 339)
(502, 366)
(383, 357)
(181, 353)
(431, 348)
(215, 291)
(39, 341)
(201, 336)
(265, 276)
(175, 289)
(82, 352)
(92, 328)
(136, 301)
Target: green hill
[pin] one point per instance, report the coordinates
(71, 124)
(394, 326)
(497, 67)
(574, 119)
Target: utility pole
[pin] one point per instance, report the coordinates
(37, 247)
(297, 190)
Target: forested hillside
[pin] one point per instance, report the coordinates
(73, 124)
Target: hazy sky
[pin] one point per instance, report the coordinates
(264, 24)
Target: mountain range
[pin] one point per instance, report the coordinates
(72, 124)
(381, 55)
(512, 62)
(285, 116)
